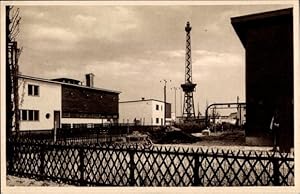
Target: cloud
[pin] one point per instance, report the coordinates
(86, 20)
(132, 48)
(204, 58)
(52, 33)
(174, 53)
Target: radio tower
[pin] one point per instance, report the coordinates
(188, 87)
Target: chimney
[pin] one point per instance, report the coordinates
(89, 79)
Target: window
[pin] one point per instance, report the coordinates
(161, 107)
(33, 90)
(35, 115)
(157, 107)
(65, 125)
(29, 115)
(157, 120)
(24, 115)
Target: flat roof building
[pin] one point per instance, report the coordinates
(144, 112)
(45, 104)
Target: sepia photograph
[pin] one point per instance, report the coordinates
(149, 94)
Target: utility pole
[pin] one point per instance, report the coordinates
(165, 98)
(175, 89)
(239, 111)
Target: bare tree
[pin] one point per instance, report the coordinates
(12, 69)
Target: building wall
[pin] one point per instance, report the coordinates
(71, 121)
(269, 78)
(48, 100)
(89, 103)
(158, 113)
(268, 43)
(143, 111)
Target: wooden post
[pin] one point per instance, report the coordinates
(131, 166)
(81, 165)
(98, 130)
(196, 181)
(42, 159)
(55, 130)
(275, 172)
(10, 155)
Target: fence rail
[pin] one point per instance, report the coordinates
(121, 165)
(101, 134)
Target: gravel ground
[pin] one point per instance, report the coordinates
(17, 181)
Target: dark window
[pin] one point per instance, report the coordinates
(80, 125)
(30, 118)
(157, 120)
(29, 115)
(30, 87)
(33, 90)
(157, 107)
(65, 126)
(36, 115)
(36, 90)
(24, 115)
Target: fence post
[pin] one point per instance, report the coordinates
(81, 166)
(132, 166)
(97, 130)
(10, 155)
(42, 158)
(196, 181)
(276, 172)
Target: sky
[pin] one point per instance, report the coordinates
(133, 48)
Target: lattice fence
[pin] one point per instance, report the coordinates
(120, 165)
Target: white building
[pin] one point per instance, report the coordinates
(144, 112)
(40, 103)
(46, 104)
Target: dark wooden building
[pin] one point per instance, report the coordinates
(268, 41)
(87, 102)
(84, 102)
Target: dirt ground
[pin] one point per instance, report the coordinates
(17, 181)
(229, 138)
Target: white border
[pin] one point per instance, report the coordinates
(293, 189)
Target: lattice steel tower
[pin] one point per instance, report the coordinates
(188, 87)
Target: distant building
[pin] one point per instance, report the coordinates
(268, 42)
(144, 112)
(64, 102)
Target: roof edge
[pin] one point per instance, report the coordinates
(62, 83)
(150, 99)
(262, 15)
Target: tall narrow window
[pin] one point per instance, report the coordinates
(36, 115)
(36, 90)
(157, 120)
(30, 88)
(30, 115)
(157, 107)
(24, 115)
